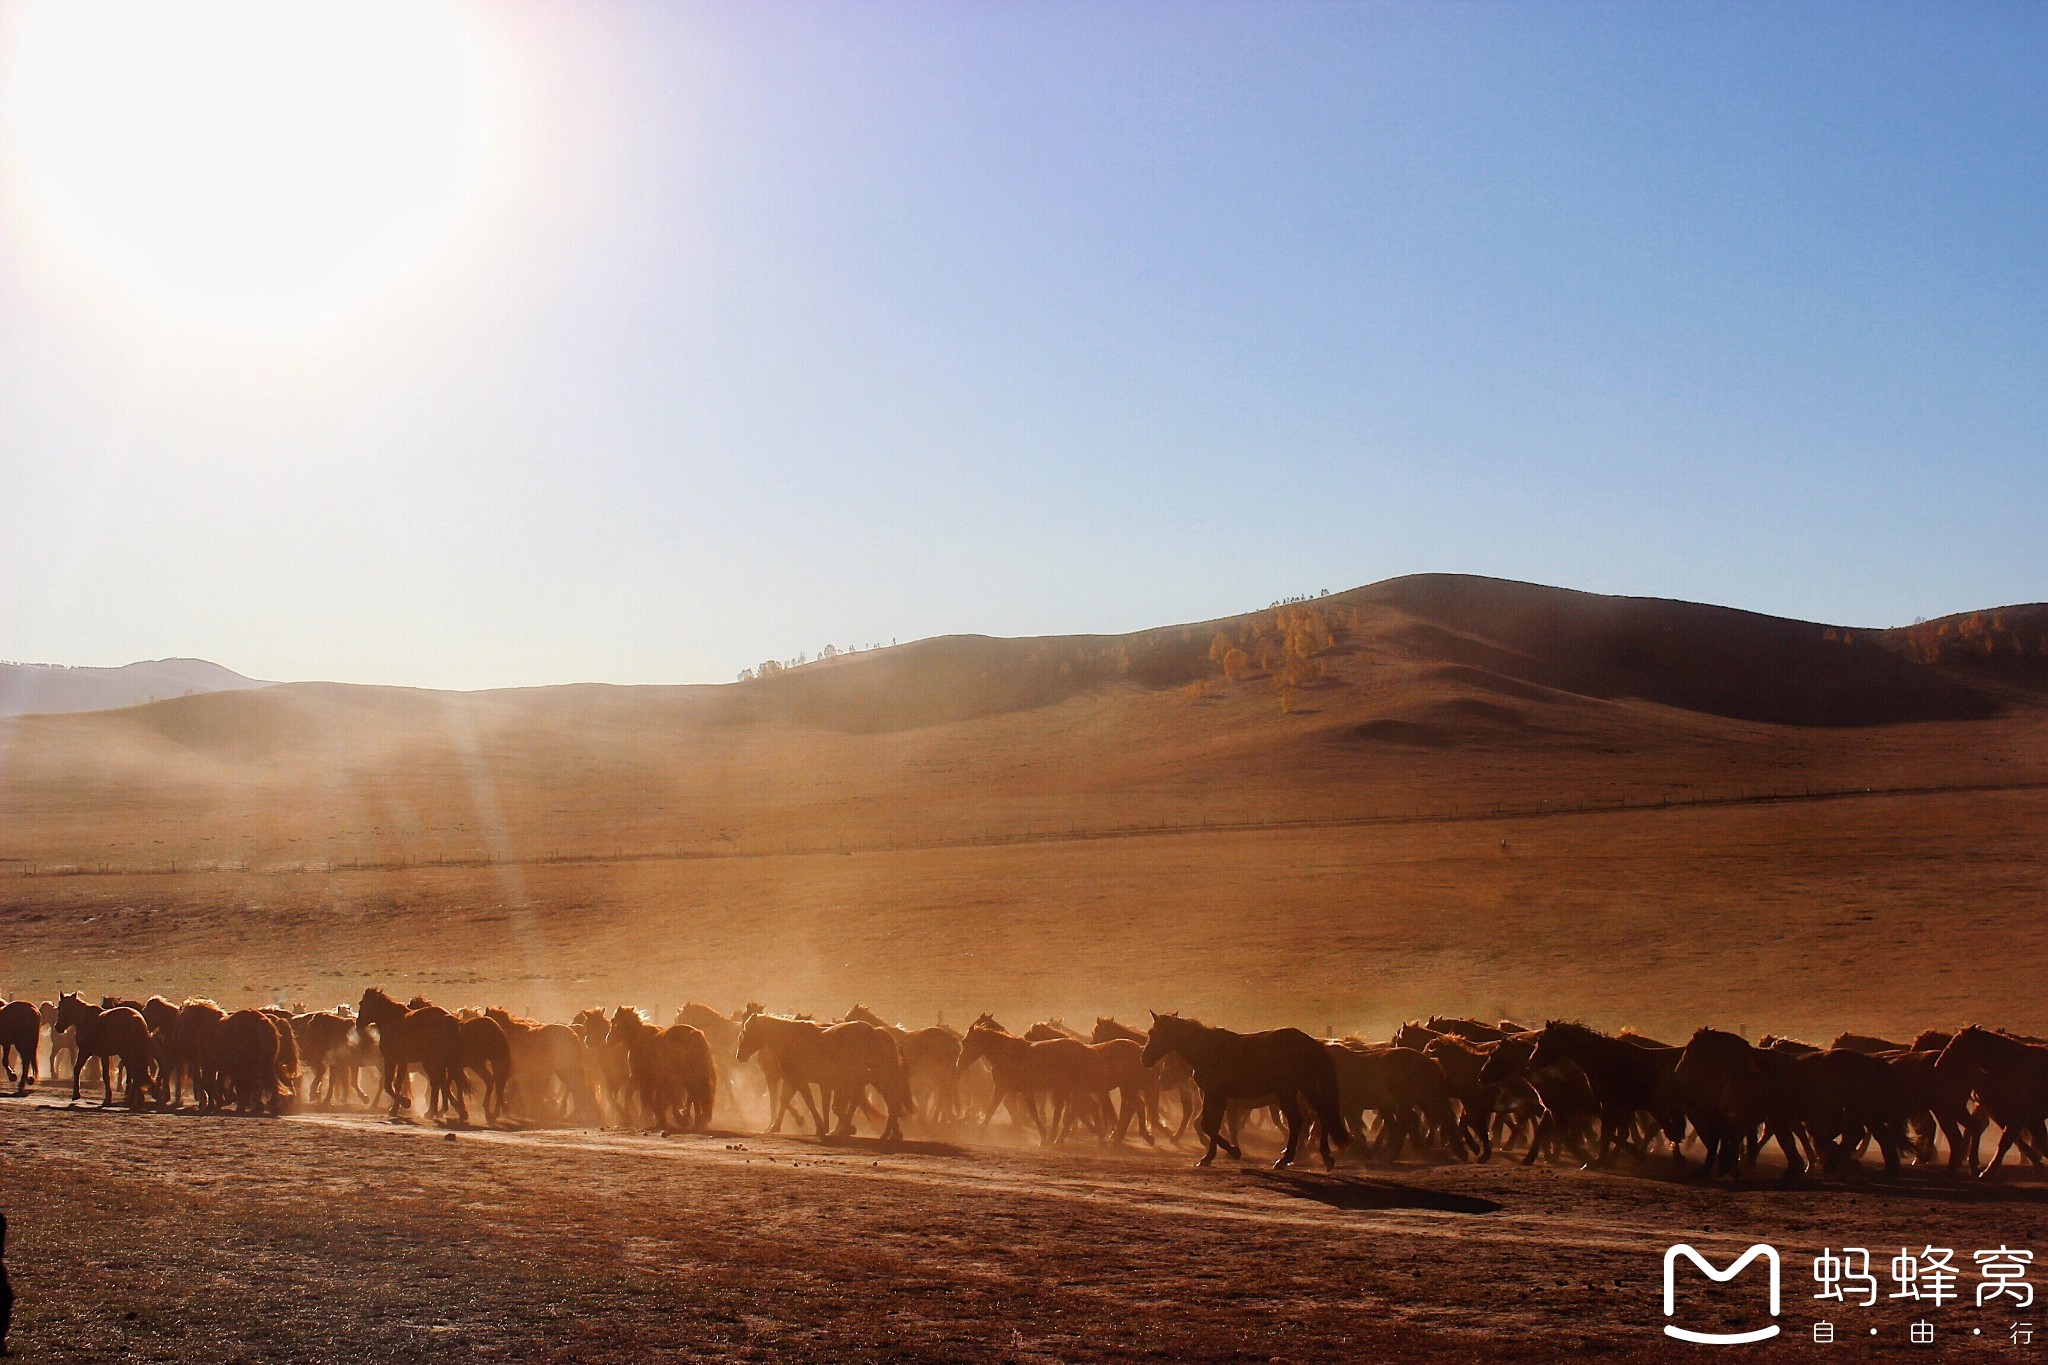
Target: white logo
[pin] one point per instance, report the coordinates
(1671, 1255)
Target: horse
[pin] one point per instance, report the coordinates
(1417, 1037)
(545, 1056)
(841, 1060)
(488, 1056)
(1565, 1104)
(241, 1054)
(1065, 1069)
(606, 1062)
(1281, 1067)
(722, 1033)
(1840, 1097)
(1135, 1085)
(767, 1056)
(672, 1070)
(427, 1037)
(1461, 1062)
(108, 1034)
(1397, 1083)
(1176, 1077)
(1124, 1074)
(931, 1057)
(21, 1037)
(1626, 1079)
(2010, 1079)
(1938, 1103)
(1727, 1088)
(328, 1044)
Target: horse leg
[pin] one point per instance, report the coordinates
(2005, 1141)
(1210, 1126)
(1544, 1136)
(817, 1114)
(1290, 1114)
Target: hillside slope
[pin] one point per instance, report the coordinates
(1432, 792)
(28, 689)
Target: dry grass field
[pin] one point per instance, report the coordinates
(1429, 795)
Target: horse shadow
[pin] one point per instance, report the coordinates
(1356, 1194)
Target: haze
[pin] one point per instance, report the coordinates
(770, 327)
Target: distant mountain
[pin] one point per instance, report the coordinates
(33, 689)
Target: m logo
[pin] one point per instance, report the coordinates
(1671, 1255)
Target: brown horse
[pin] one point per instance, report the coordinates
(672, 1070)
(842, 1061)
(327, 1046)
(1282, 1067)
(21, 1038)
(2010, 1079)
(240, 1058)
(429, 1038)
(1565, 1107)
(1728, 1089)
(722, 1033)
(111, 1035)
(487, 1055)
(1402, 1086)
(1176, 1077)
(1461, 1062)
(931, 1058)
(607, 1063)
(1066, 1070)
(1627, 1079)
(546, 1057)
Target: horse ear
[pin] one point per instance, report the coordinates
(1155, 1016)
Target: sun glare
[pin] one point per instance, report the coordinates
(251, 160)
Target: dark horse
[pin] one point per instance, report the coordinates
(107, 1034)
(429, 1038)
(1281, 1067)
(1627, 1079)
(2011, 1081)
(21, 1033)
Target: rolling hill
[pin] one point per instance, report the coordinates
(1356, 805)
(27, 689)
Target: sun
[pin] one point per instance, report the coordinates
(252, 160)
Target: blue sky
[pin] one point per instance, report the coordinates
(793, 324)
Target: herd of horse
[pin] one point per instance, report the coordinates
(1457, 1089)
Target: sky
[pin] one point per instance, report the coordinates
(715, 333)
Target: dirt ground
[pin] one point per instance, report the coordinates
(346, 1237)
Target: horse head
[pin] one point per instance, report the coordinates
(625, 1024)
(751, 1030)
(1168, 1030)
